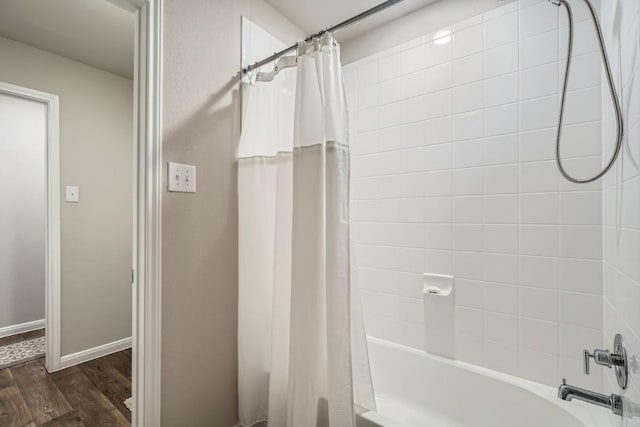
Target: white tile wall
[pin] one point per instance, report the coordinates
(453, 172)
(621, 197)
(257, 42)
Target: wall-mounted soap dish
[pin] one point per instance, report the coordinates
(438, 284)
(439, 314)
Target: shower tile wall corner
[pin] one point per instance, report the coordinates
(257, 43)
(621, 194)
(453, 172)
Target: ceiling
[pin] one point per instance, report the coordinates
(313, 15)
(93, 32)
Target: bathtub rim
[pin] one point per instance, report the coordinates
(590, 416)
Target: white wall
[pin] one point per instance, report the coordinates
(257, 44)
(96, 148)
(453, 172)
(621, 201)
(22, 210)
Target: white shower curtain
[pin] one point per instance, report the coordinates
(301, 344)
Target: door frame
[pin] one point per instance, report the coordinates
(52, 212)
(147, 302)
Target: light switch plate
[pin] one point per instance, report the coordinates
(72, 194)
(182, 178)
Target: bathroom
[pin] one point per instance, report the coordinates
(407, 213)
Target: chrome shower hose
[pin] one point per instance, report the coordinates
(612, 91)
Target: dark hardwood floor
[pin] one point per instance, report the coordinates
(21, 337)
(87, 395)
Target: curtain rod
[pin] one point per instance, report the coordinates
(382, 6)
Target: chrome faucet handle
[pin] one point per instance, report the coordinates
(603, 358)
(586, 356)
(616, 359)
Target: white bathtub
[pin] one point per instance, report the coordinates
(415, 389)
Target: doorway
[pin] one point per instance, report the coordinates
(147, 180)
(28, 121)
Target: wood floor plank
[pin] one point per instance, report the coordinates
(11, 339)
(87, 395)
(91, 405)
(121, 361)
(6, 379)
(115, 386)
(21, 337)
(13, 409)
(33, 334)
(44, 400)
(70, 419)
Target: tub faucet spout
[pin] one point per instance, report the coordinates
(568, 392)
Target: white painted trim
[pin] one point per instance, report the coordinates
(147, 303)
(52, 274)
(21, 328)
(94, 353)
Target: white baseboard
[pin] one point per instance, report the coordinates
(21, 328)
(94, 353)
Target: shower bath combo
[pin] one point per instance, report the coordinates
(617, 358)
